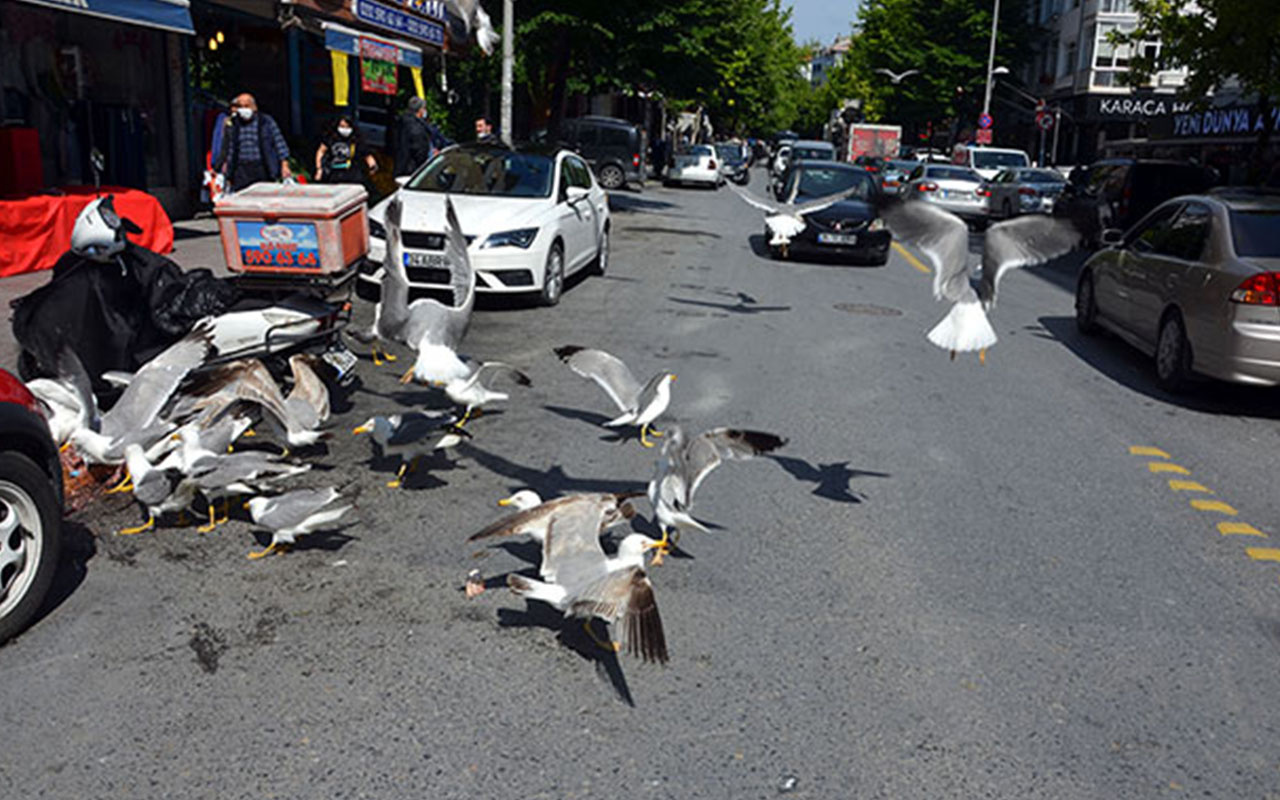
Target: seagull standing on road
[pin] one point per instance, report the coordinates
(944, 239)
(640, 405)
(411, 436)
(472, 394)
(294, 514)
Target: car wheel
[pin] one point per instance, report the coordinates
(553, 276)
(29, 540)
(1086, 306)
(601, 263)
(1173, 354)
(611, 177)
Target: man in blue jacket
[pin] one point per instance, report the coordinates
(253, 149)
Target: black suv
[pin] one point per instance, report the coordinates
(1117, 192)
(614, 147)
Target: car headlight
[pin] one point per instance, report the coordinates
(877, 224)
(522, 238)
(376, 231)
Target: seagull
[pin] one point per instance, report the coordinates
(944, 240)
(308, 401)
(67, 400)
(472, 394)
(294, 514)
(249, 380)
(580, 580)
(158, 490)
(897, 77)
(640, 405)
(785, 221)
(473, 16)
(222, 477)
(412, 434)
(533, 517)
(685, 463)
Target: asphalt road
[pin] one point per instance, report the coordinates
(955, 581)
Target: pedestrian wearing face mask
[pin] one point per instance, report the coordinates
(340, 153)
(416, 139)
(253, 149)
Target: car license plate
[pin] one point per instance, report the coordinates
(341, 359)
(424, 260)
(837, 238)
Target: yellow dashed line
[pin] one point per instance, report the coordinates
(1213, 505)
(1164, 466)
(1239, 529)
(911, 259)
(1188, 486)
(1263, 553)
(1154, 452)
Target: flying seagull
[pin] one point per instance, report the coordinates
(581, 581)
(897, 77)
(685, 463)
(785, 221)
(944, 240)
(475, 19)
(294, 514)
(533, 516)
(412, 435)
(640, 405)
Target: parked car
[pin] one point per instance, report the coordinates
(957, 189)
(694, 164)
(733, 162)
(532, 216)
(812, 150)
(869, 163)
(894, 175)
(30, 506)
(1023, 190)
(987, 161)
(613, 147)
(1196, 284)
(850, 229)
(1117, 192)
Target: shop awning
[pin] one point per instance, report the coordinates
(168, 15)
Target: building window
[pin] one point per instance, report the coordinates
(1070, 63)
(1114, 7)
(1107, 55)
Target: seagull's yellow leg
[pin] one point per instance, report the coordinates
(249, 433)
(148, 525)
(644, 441)
(662, 548)
(612, 647)
(274, 547)
(124, 485)
(395, 484)
(982, 356)
(953, 355)
(465, 417)
(213, 522)
(226, 511)
(388, 356)
(377, 362)
(656, 432)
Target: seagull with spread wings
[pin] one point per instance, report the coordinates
(583, 582)
(686, 463)
(640, 405)
(533, 516)
(943, 238)
(475, 19)
(785, 221)
(897, 77)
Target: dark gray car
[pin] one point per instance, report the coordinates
(613, 147)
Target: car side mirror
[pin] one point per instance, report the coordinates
(1112, 237)
(575, 194)
(401, 180)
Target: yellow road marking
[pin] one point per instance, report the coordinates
(1188, 486)
(1239, 529)
(1264, 553)
(1154, 452)
(911, 259)
(1165, 466)
(1213, 505)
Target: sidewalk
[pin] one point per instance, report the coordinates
(195, 244)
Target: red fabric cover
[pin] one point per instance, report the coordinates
(21, 171)
(36, 230)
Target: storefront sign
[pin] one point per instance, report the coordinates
(1227, 122)
(401, 22)
(169, 15)
(427, 8)
(377, 75)
(278, 244)
(345, 40)
(1135, 107)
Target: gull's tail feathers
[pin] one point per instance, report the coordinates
(964, 329)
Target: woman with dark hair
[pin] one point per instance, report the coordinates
(339, 153)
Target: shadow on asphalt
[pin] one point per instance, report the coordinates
(741, 307)
(672, 231)
(831, 481)
(617, 435)
(327, 540)
(546, 482)
(1126, 365)
(569, 633)
(627, 204)
(78, 549)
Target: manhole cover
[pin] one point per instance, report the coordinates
(868, 309)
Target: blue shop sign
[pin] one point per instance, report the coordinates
(393, 19)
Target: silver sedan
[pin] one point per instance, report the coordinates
(1023, 190)
(953, 188)
(1196, 284)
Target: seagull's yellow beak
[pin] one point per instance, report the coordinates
(673, 378)
(245, 505)
(365, 428)
(506, 501)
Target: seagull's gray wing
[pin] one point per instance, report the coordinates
(649, 391)
(417, 426)
(571, 553)
(705, 452)
(942, 237)
(462, 276)
(292, 508)
(626, 593)
(489, 367)
(308, 385)
(756, 202)
(431, 322)
(392, 312)
(605, 369)
(153, 488)
(157, 380)
(514, 524)
(1020, 242)
(72, 372)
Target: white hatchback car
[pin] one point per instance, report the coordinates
(695, 164)
(532, 217)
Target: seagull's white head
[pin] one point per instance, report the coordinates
(522, 500)
(256, 506)
(631, 549)
(378, 427)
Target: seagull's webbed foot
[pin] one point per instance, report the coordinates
(274, 547)
(661, 548)
(226, 512)
(644, 429)
(656, 432)
(148, 525)
(377, 362)
(123, 486)
(396, 484)
(612, 647)
(982, 356)
(213, 522)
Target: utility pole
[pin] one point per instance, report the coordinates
(508, 57)
(991, 57)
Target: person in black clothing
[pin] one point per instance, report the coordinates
(416, 139)
(253, 148)
(340, 153)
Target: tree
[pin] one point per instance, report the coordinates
(1218, 41)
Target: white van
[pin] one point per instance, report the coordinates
(987, 161)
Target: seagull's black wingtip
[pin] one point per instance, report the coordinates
(568, 351)
(762, 442)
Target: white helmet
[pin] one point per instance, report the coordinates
(99, 232)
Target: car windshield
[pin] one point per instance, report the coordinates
(902, 166)
(1256, 234)
(699, 150)
(822, 182)
(1042, 176)
(989, 159)
(813, 154)
(501, 173)
(730, 153)
(952, 174)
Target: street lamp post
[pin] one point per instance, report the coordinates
(508, 56)
(991, 57)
